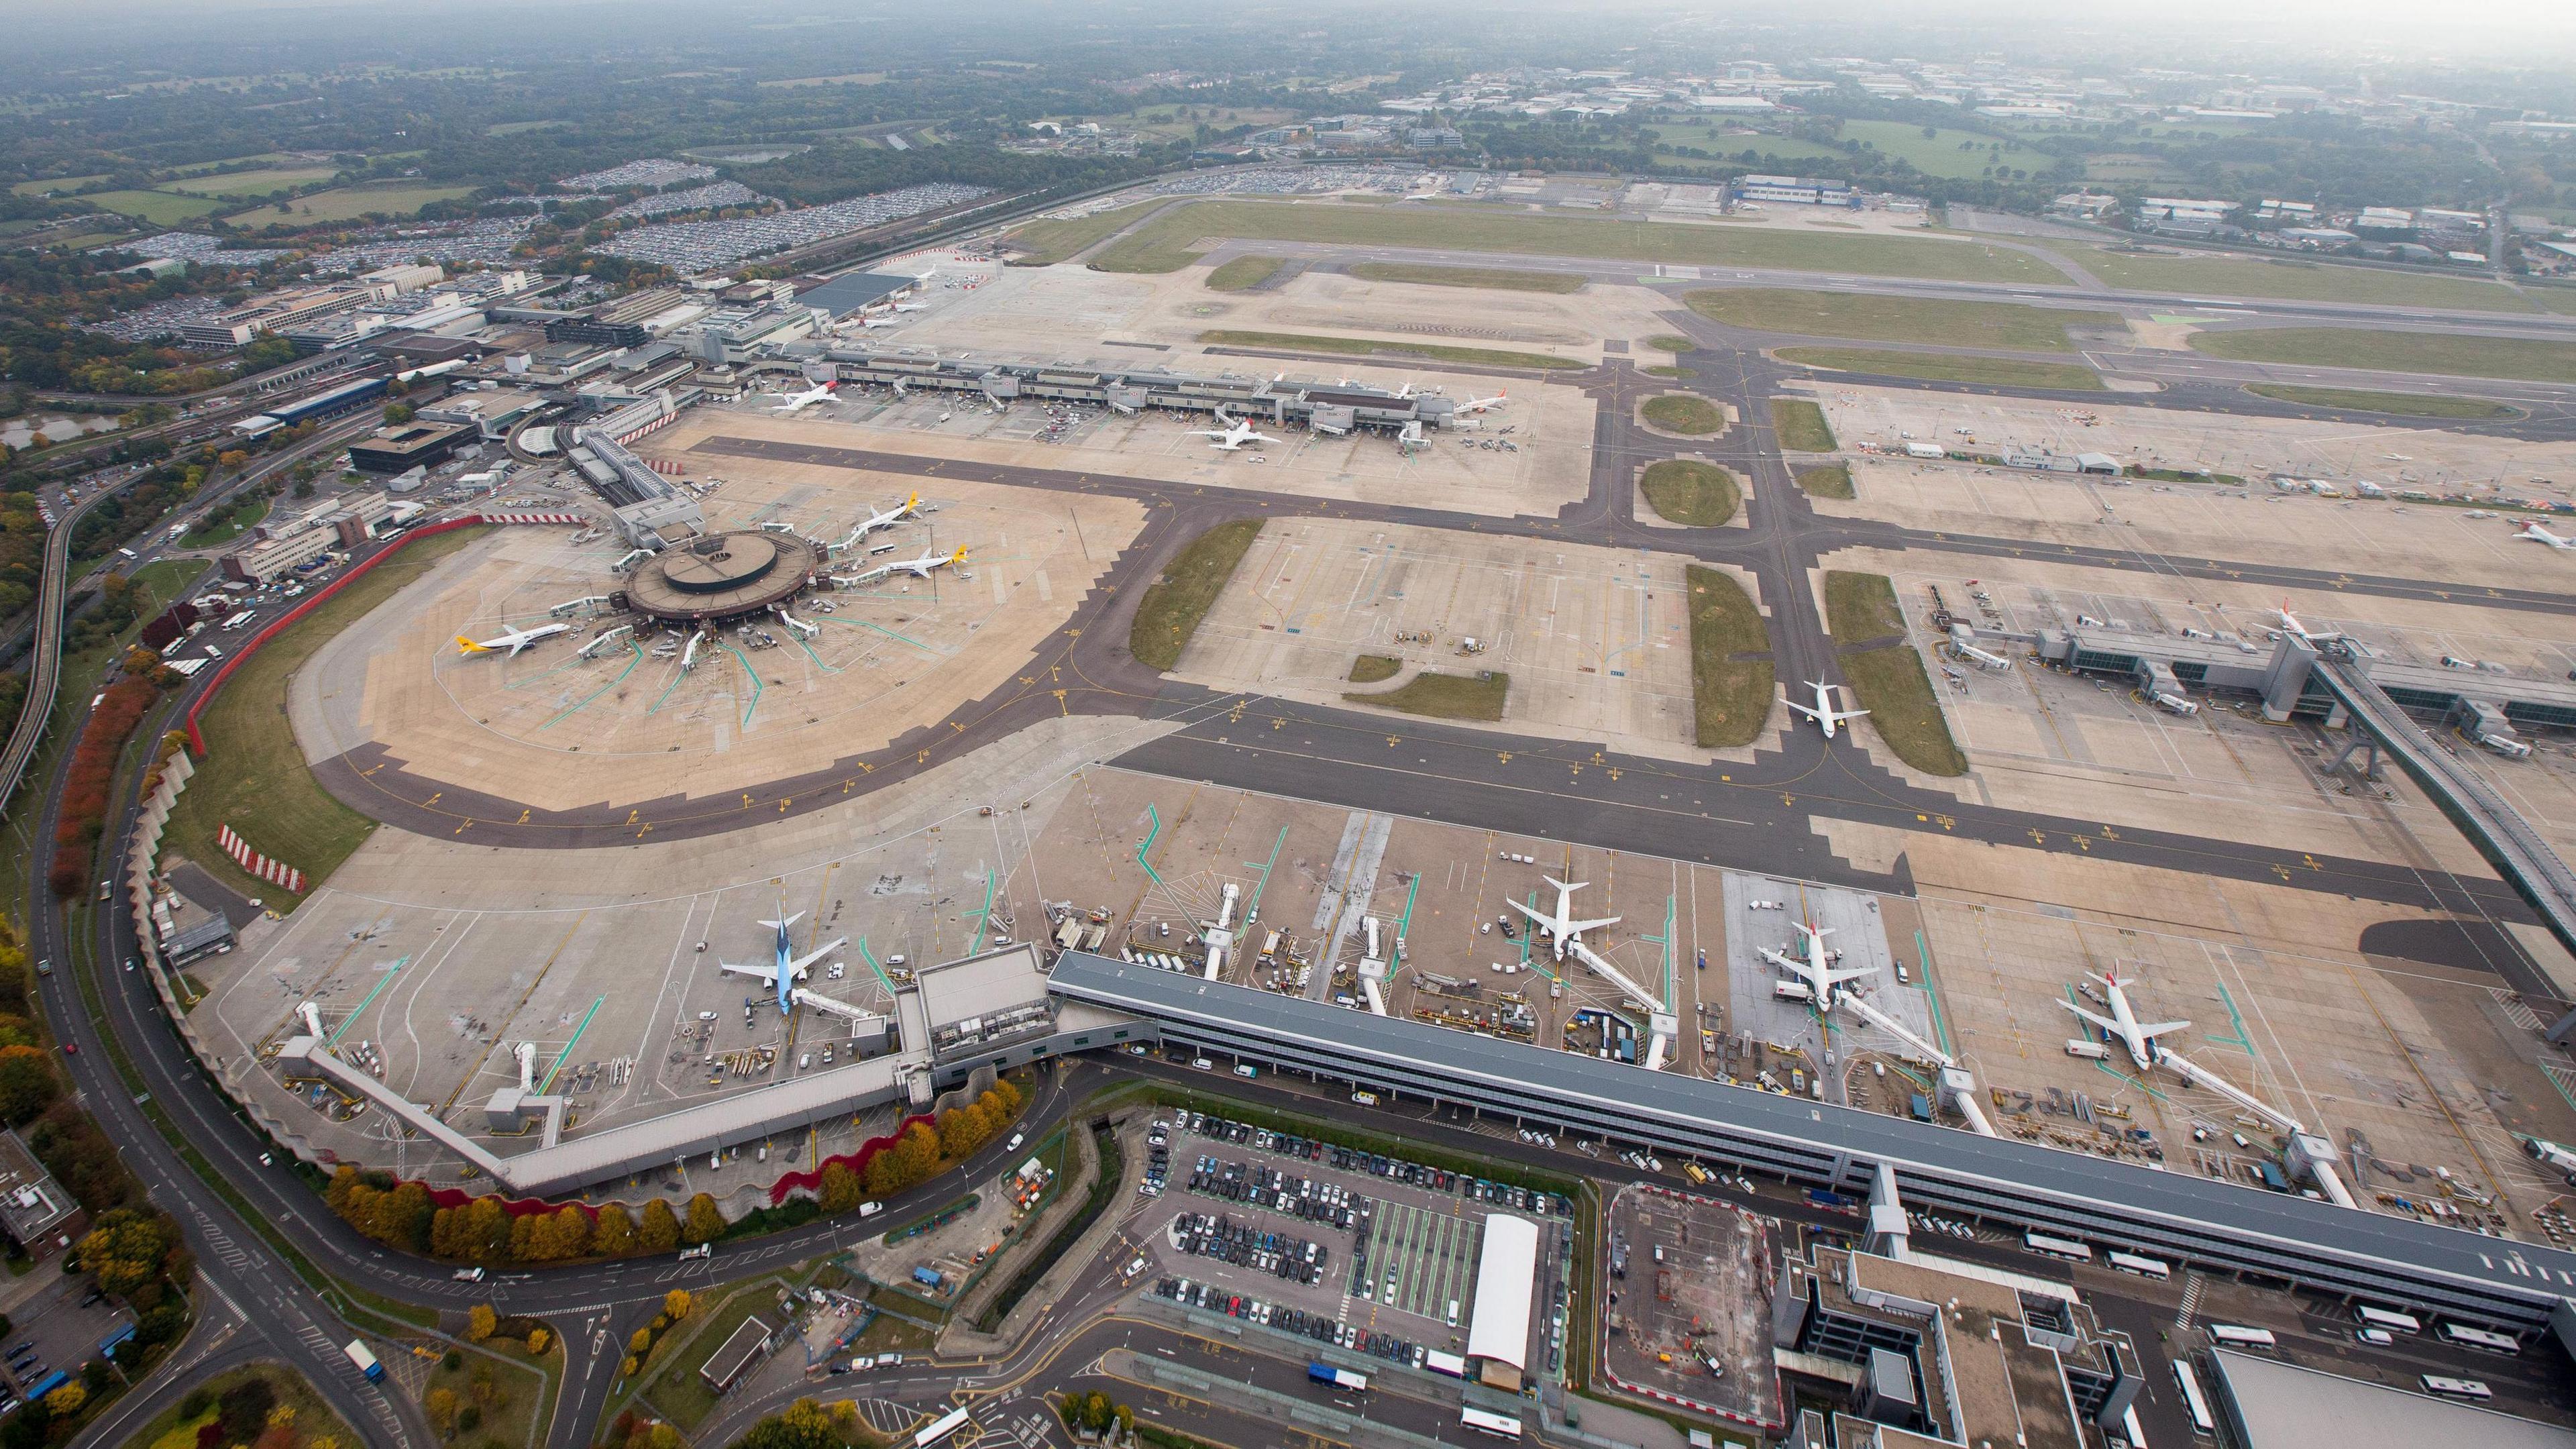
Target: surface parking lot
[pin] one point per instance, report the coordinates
(1323, 1241)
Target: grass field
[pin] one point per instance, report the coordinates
(349, 203)
(1163, 245)
(1367, 347)
(1939, 154)
(2403, 404)
(2555, 299)
(231, 528)
(674, 1386)
(1672, 342)
(1492, 279)
(2294, 281)
(161, 208)
(254, 778)
(517, 1391)
(1244, 273)
(1374, 668)
(1446, 696)
(1684, 413)
(1667, 370)
(1048, 242)
(1832, 481)
(58, 183)
(1684, 490)
(1174, 603)
(251, 183)
(1887, 674)
(1801, 426)
(1941, 367)
(1731, 675)
(1895, 319)
(2449, 354)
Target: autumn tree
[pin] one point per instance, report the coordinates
(705, 1224)
(27, 1084)
(124, 1251)
(480, 1322)
(661, 1229)
(613, 1236)
(841, 1188)
(441, 1408)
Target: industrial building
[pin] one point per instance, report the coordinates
(1940, 1351)
(35, 1210)
(492, 413)
(851, 293)
(1333, 410)
(330, 402)
(1794, 190)
(2268, 1404)
(404, 446)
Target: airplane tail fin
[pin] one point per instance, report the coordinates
(468, 646)
(784, 924)
(959, 556)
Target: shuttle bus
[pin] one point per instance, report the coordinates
(1444, 1363)
(2384, 1320)
(2478, 1338)
(2057, 1247)
(2143, 1267)
(2447, 1388)
(939, 1429)
(2235, 1337)
(2192, 1401)
(1499, 1426)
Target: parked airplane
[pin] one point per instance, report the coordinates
(511, 640)
(2123, 1024)
(2290, 625)
(2534, 533)
(1824, 712)
(873, 522)
(919, 568)
(1813, 965)
(1232, 436)
(797, 402)
(1482, 404)
(789, 968)
(1561, 929)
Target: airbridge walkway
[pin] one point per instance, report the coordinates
(2486, 817)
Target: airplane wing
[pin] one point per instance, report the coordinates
(1532, 912)
(1579, 927)
(2160, 1028)
(2104, 1022)
(764, 973)
(1802, 709)
(1849, 713)
(798, 966)
(1836, 978)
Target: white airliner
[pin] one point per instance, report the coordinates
(1232, 436)
(1824, 712)
(2534, 533)
(919, 568)
(1483, 404)
(789, 968)
(797, 402)
(511, 640)
(1561, 929)
(1813, 965)
(2123, 1024)
(873, 522)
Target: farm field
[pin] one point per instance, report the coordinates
(251, 183)
(349, 203)
(161, 208)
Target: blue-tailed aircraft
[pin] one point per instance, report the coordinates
(789, 967)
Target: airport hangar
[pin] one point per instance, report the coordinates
(1002, 1009)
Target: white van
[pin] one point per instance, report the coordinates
(1204, 1065)
(1452, 1318)
(870, 1209)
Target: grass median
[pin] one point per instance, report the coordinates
(1493, 279)
(1165, 244)
(1690, 492)
(1831, 481)
(1949, 367)
(2400, 404)
(1887, 673)
(254, 777)
(1801, 426)
(1685, 413)
(1867, 318)
(2450, 354)
(2213, 275)
(1244, 273)
(1731, 672)
(1446, 696)
(1375, 668)
(1175, 603)
(1372, 347)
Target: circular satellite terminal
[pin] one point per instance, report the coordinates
(724, 576)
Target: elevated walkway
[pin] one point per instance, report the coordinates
(2486, 817)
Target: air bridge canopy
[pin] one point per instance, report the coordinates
(2119, 1204)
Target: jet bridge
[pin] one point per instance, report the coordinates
(2485, 816)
